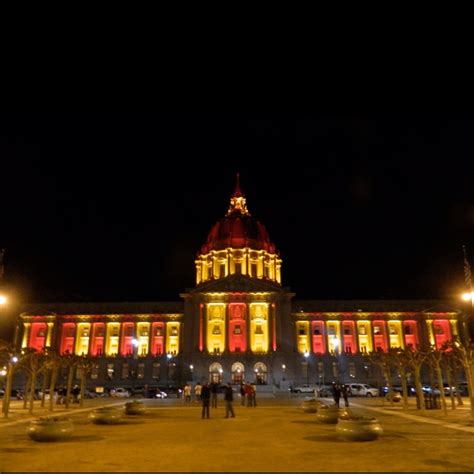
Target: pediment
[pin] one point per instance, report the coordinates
(238, 283)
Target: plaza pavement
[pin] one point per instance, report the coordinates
(275, 436)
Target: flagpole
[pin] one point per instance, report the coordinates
(468, 281)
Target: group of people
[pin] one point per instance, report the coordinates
(208, 394)
(338, 390)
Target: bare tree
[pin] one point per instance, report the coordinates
(435, 356)
(85, 364)
(464, 353)
(415, 359)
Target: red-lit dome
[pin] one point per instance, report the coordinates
(238, 229)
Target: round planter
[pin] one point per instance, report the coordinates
(359, 429)
(327, 414)
(50, 428)
(134, 408)
(105, 416)
(311, 405)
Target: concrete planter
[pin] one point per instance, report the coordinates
(310, 405)
(105, 416)
(136, 407)
(359, 428)
(328, 414)
(50, 428)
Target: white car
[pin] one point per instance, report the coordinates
(303, 389)
(120, 392)
(362, 390)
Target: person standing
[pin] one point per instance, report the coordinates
(336, 393)
(345, 394)
(214, 391)
(205, 398)
(197, 392)
(229, 398)
(187, 393)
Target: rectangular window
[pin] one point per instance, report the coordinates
(144, 331)
(238, 268)
(347, 331)
(125, 371)
(317, 331)
(70, 331)
(158, 331)
(362, 331)
(174, 331)
(110, 371)
(222, 270)
(216, 330)
(320, 369)
(155, 374)
(332, 330)
(128, 331)
(392, 330)
(335, 369)
(377, 329)
(301, 331)
(141, 371)
(407, 329)
(352, 369)
(95, 372)
(237, 329)
(258, 329)
(253, 269)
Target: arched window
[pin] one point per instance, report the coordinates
(260, 370)
(238, 373)
(215, 372)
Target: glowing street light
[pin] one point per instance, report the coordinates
(306, 356)
(468, 296)
(3, 299)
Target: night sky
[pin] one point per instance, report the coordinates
(114, 207)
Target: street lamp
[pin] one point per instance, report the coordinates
(469, 296)
(3, 299)
(306, 356)
(283, 370)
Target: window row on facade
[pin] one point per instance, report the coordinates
(362, 336)
(253, 263)
(105, 338)
(236, 327)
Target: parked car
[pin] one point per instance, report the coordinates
(362, 390)
(161, 394)
(463, 390)
(119, 392)
(303, 389)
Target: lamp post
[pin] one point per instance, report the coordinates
(306, 356)
(283, 371)
(469, 296)
(8, 384)
(191, 369)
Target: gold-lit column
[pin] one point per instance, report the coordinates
(454, 327)
(26, 335)
(247, 315)
(429, 326)
(49, 334)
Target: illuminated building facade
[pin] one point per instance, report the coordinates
(237, 324)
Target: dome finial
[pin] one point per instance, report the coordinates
(237, 200)
(237, 191)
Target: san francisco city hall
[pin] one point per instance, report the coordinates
(237, 324)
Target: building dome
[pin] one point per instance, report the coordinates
(238, 229)
(238, 244)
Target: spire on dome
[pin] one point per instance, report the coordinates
(237, 200)
(237, 191)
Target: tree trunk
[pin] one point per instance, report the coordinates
(43, 388)
(70, 375)
(450, 383)
(403, 377)
(419, 389)
(439, 376)
(52, 386)
(83, 387)
(8, 390)
(34, 375)
(26, 391)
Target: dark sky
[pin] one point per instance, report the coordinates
(114, 207)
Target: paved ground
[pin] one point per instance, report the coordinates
(275, 436)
